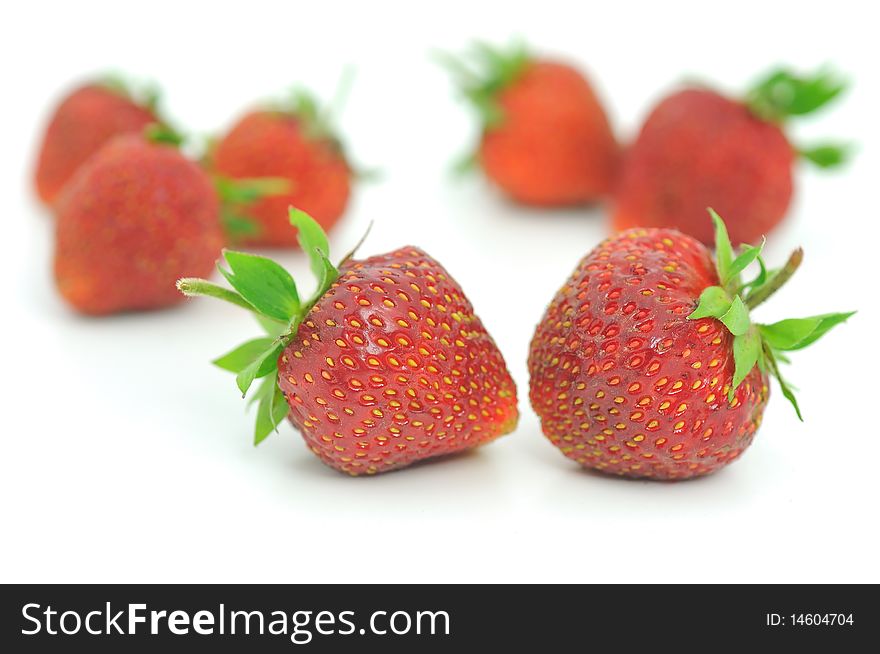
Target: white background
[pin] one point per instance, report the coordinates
(125, 456)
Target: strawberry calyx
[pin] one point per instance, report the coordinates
(318, 121)
(269, 292)
(237, 195)
(782, 95)
(163, 134)
(483, 72)
(148, 95)
(826, 155)
(315, 120)
(757, 344)
(145, 94)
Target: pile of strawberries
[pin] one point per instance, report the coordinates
(647, 362)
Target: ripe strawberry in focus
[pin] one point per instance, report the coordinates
(133, 219)
(84, 121)
(294, 145)
(647, 364)
(698, 148)
(385, 365)
(545, 138)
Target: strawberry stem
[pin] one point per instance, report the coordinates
(194, 287)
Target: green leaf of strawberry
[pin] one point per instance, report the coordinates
(264, 363)
(827, 155)
(746, 353)
(236, 197)
(481, 75)
(267, 290)
(163, 134)
(786, 389)
(762, 276)
(312, 239)
(145, 93)
(237, 225)
(798, 333)
(245, 191)
(714, 302)
(317, 120)
(748, 256)
(736, 318)
(783, 94)
(272, 408)
(244, 355)
(263, 283)
(731, 303)
(723, 249)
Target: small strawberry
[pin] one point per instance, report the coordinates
(698, 147)
(85, 120)
(545, 139)
(647, 364)
(386, 364)
(294, 144)
(133, 219)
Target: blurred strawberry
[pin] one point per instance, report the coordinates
(85, 120)
(698, 148)
(132, 220)
(280, 156)
(545, 139)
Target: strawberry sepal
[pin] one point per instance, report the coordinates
(238, 195)
(164, 134)
(267, 290)
(826, 155)
(148, 95)
(480, 75)
(783, 94)
(756, 344)
(483, 72)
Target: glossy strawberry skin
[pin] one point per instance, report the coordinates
(699, 149)
(554, 146)
(391, 366)
(135, 218)
(273, 144)
(622, 382)
(84, 121)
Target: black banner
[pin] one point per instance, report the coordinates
(114, 618)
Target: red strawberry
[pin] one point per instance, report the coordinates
(84, 121)
(385, 365)
(545, 138)
(296, 145)
(133, 219)
(646, 363)
(698, 148)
